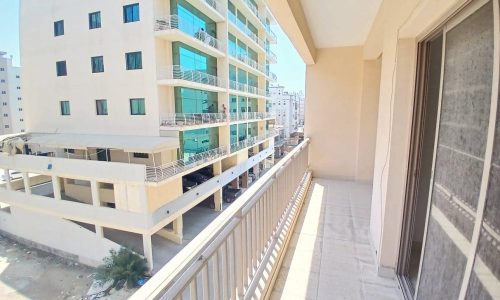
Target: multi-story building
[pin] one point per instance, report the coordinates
(285, 107)
(11, 108)
(137, 111)
(302, 109)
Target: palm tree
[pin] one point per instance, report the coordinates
(123, 265)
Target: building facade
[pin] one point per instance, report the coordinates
(12, 116)
(285, 106)
(137, 111)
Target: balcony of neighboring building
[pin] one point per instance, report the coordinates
(177, 28)
(245, 62)
(250, 141)
(214, 9)
(241, 30)
(271, 76)
(236, 118)
(177, 75)
(271, 56)
(189, 121)
(251, 11)
(246, 90)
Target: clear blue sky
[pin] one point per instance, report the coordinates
(290, 69)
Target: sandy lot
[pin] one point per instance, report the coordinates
(27, 273)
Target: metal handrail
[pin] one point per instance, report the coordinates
(234, 85)
(246, 30)
(190, 28)
(179, 72)
(255, 11)
(159, 173)
(272, 75)
(218, 6)
(244, 116)
(191, 119)
(248, 61)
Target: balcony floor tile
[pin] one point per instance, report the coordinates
(329, 255)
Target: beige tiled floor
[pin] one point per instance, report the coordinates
(329, 256)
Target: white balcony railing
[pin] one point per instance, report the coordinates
(179, 72)
(237, 255)
(218, 6)
(245, 116)
(248, 61)
(234, 85)
(192, 119)
(271, 56)
(246, 30)
(272, 75)
(159, 173)
(188, 27)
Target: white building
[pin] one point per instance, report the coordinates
(11, 108)
(285, 107)
(302, 109)
(136, 112)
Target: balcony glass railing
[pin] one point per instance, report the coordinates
(159, 173)
(245, 116)
(246, 30)
(192, 119)
(247, 60)
(179, 72)
(188, 27)
(233, 85)
(237, 254)
(272, 35)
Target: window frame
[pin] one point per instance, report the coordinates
(139, 112)
(104, 109)
(60, 64)
(62, 107)
(97, 67)
(135, 62)
(95, 23)
(133, 17)
(58, 28)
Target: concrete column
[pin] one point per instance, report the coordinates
(148, 249)
(56, 187)
(94, 187)
(178, 226)
(26, 181)
(244, 180)
(218, 200)
(8, 184)
(235, 184)
(99, 231)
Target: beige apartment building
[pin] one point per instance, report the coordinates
(137, 112)
(11, 101)
(394, 192)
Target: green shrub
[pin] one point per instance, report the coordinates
(122, 266)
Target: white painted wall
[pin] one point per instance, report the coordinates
(11, 114)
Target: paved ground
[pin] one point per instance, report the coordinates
(329, 255)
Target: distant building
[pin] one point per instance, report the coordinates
(302, 109)
(285, 107)
(11, 109)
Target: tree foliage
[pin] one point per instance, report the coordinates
(122, 266)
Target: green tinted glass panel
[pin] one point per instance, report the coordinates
(199, 140)
(192, 59)
(195, 101)
(242, 131)
(233, 104)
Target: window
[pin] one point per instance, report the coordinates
(61, 68)
(101, 107)
(95, 20)
(6, 126)
(5, 115)
(65, 108)
(137, 107)
(19, 98)
(4, 104)
(20, 109)
(141, 155)
(2, 69)
(22, 120)
(18, 87)
(97, 64)
(59, 28)
(17, 76)
(69, 150)
(4, 92)
(2, 81)
(131, 13)
(133, 60)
